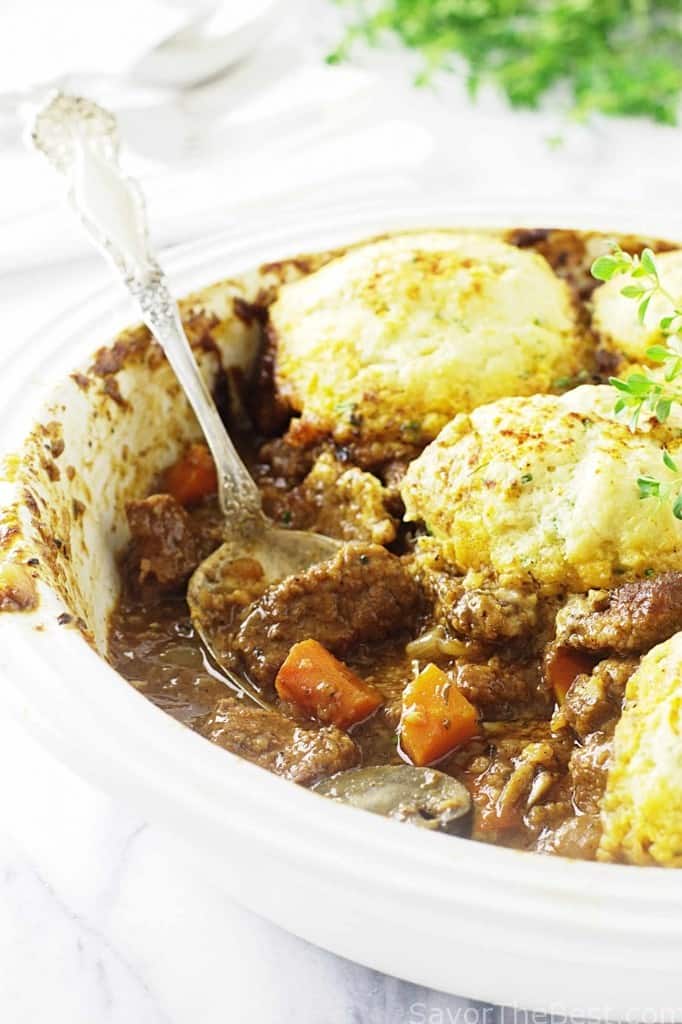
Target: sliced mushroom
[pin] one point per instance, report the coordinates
(421, 796)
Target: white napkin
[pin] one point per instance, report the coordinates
(278, 128)
(59, 37)
(187, 204)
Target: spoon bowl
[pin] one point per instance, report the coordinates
(218, 583)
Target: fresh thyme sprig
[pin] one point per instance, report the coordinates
(639, 391)
(650, 487)
(647, 283)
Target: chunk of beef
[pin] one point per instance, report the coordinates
(284, 463)
(595, 701)
(486, 612)
(335, 499)
(588, 768)
(577, 838)
(493, 615)
(346, 502)
(502, 691)
(363, 594)
(628, 620)
(164, 545)
(278, 744)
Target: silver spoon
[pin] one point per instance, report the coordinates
(80, 140)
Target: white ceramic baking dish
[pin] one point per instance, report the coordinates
(508, 927)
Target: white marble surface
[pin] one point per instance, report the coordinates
(100, 918)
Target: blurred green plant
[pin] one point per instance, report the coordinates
(614, 56)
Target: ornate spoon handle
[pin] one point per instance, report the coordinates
(80, 140)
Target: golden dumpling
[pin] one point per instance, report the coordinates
(642, 805)
(544, 490)
(393, 338)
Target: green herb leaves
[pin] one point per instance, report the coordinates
(617, 262)
(644, 276)
(650, 487)
(638, 391)
(615, 56)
